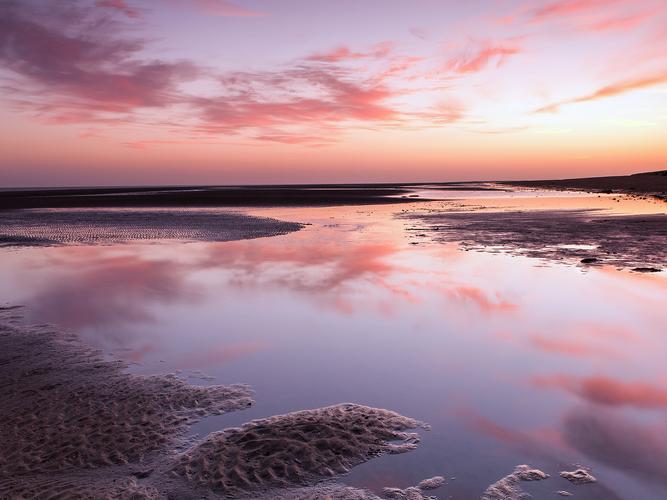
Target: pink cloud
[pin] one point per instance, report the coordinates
(344, 53)
(610, 90)
(561, 8)
(95, 74)
(619, 22)
(120, 6)
(90, 71)
(223, 8)
(398, 67)
(265, 102)
(147, 143)
(310, 140)
(585, 15)
(481, 57)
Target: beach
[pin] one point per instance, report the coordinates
(144, 392)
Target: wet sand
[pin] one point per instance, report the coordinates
(204, 196)
(582, 237)
(75, 424)
(38, 227)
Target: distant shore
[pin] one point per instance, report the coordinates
(643, 184)
(204, 196)
(652, 184)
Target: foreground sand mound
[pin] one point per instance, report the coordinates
(299, 448)
(74, 425)
(65, 407)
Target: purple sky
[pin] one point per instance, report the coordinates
(213, 91)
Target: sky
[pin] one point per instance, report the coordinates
(130, 92)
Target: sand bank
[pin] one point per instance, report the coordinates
(583, 237)
(204, 196)
(36, 227)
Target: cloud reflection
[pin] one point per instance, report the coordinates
(103, 289)
(482, 299)
(312, 266)
(636, 448)
(218, 354)
(544, 443)
(608, 391)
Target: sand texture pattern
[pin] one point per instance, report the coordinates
(76, 425)
(89, 227)
(298, 448)
(629, 241)
(66, 409)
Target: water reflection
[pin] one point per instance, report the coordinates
(95, 287)
(627, 444)
(607, 391)
(545, 443)
(508, 361)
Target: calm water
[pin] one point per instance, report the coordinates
(511, 360)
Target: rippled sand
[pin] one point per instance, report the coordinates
(55, 227)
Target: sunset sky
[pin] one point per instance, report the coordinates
(293, 91)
